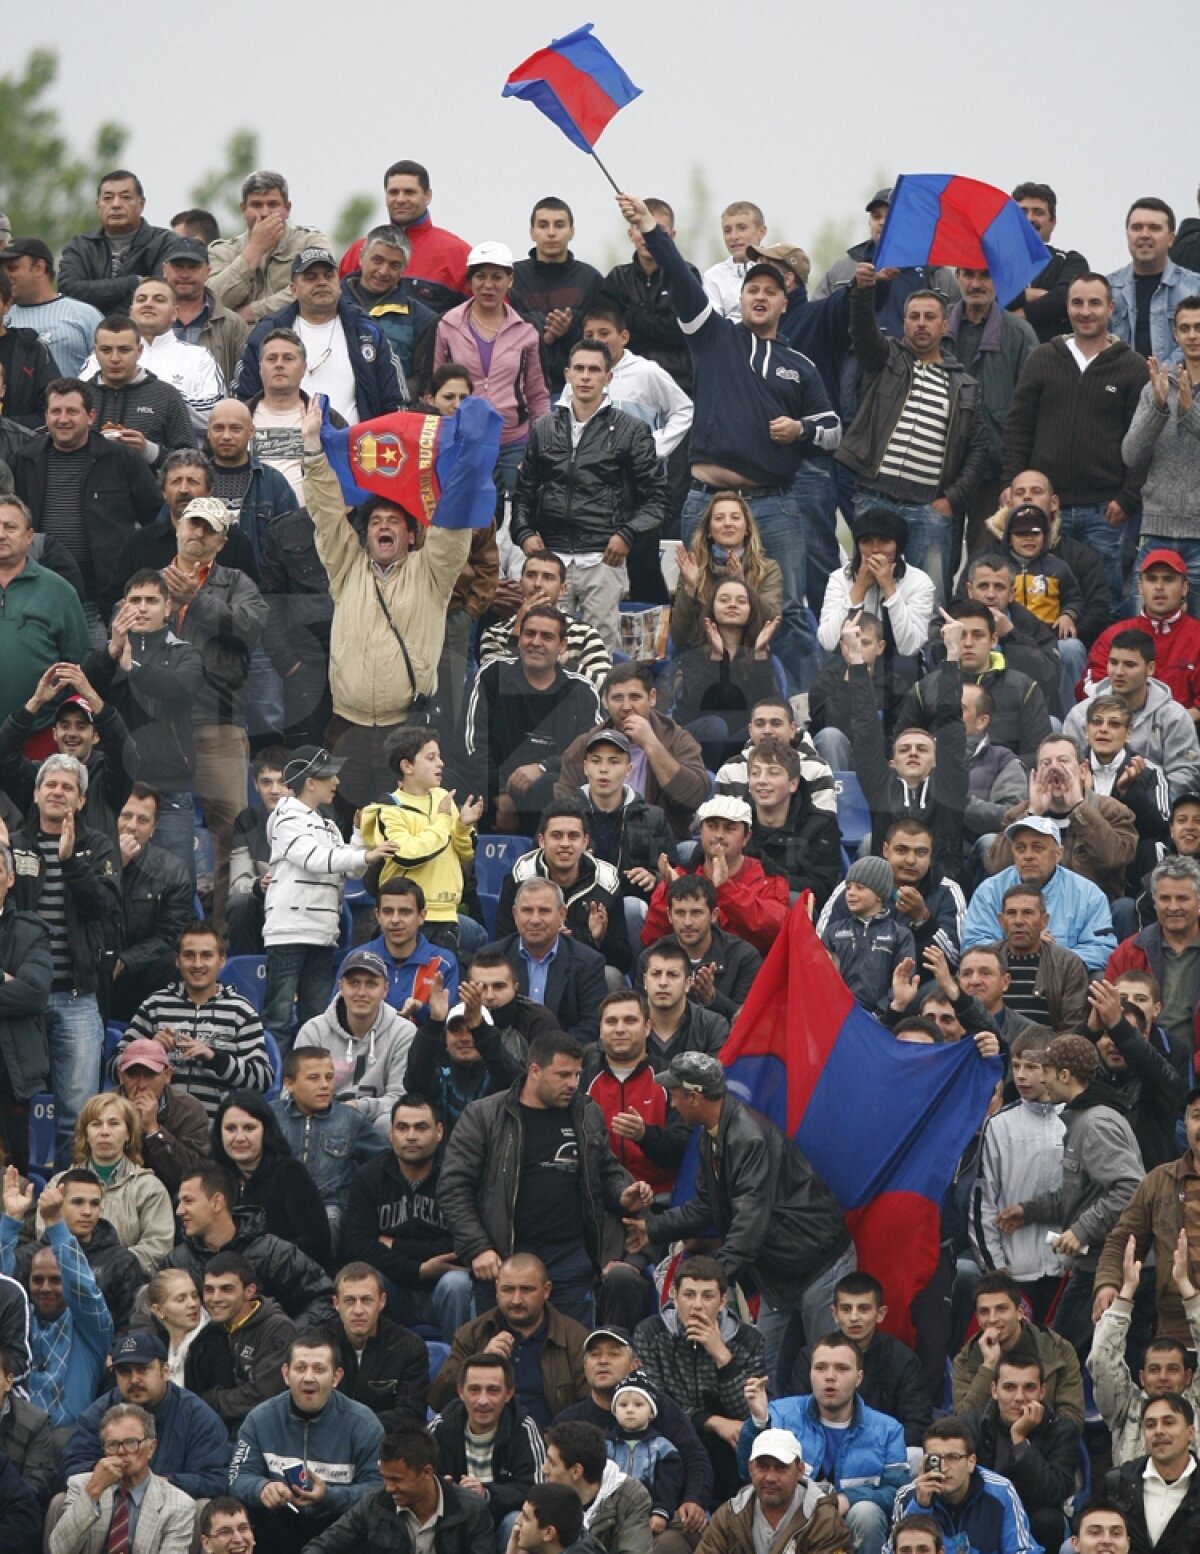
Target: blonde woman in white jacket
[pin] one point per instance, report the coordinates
(880, 581)
(174, 1301)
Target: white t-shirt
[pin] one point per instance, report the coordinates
(279, 442)
(329, 370)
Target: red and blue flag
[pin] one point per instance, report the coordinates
(437, 468)
(576, 83)
(941, 219)
(883, 1121)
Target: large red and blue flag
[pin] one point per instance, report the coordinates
(437, 468)
(941, 219)
(885, 1122)
(576, 83)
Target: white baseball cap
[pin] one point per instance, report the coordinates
(780, 1444)
(499, 254)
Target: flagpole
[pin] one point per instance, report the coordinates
(605, 171)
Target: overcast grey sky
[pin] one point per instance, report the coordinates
(796, 106)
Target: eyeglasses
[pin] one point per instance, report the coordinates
(954, 1456)
(120, 1448)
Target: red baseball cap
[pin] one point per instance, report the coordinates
(1165, 558)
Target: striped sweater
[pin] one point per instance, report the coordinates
(227, 1023)
(586, 653)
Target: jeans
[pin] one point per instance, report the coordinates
(175, 829)
(264, 697)
(835, 749)
(445, 1305)
(868, 1523)
(781, 517)
(930, 538)
(296, 973)
(1189, 550)
(76, 1035)
(1073, 1319)
(786, 1329)
(1072, 658)
(1087, 524)
(816, 489)
(569, 1266)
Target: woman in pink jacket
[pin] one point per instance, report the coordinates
(500, 350)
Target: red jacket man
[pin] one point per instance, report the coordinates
(1164, 615)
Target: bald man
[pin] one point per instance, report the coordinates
(256, 492)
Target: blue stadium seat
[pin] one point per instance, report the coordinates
(438, 1355)
(41, 1131)
(276, 1058)
(494, 858)
(247, 974)
(114, 1033)
(346, 933)
(854, 818)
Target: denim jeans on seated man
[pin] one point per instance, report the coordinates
(76, 1034)
(1072, 659)
(785, 517)
(1089, 524)
(446, 1304)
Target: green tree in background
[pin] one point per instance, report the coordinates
(47, 190)
(354, 219)
(220, 190)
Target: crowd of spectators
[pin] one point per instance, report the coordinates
(377, 899)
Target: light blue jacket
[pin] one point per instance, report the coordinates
(1080, 919)
(872, 1459)
(1176, 284)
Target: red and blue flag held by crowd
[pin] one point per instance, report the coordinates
(883, 1121)
(942, 219)
(437, 468)
(576, 83)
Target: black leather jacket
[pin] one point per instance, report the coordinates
(577, 498)
(85, 270)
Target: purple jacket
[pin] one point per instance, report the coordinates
(515, 385)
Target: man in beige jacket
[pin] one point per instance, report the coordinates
(252, 274)
(385, 593)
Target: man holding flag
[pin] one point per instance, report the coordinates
(390, 591)
(781, 1229)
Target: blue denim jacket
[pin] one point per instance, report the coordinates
(1176, 284)
(332, 1144)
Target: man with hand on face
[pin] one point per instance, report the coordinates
(310, 1427)
(697, 1351)
(1004, 1330)
(122, 1494)
(753, 904)
(1162, 730)
(193, 1448)
(1145, 1069)
(1080, 919)
(1115, 772)
(545, 1347)
(175, 1127)
(666, 765)
(960, 1499)
(544, 581)
(1020, 1436)
(250, 273)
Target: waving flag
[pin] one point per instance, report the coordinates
(438, 468)
(576, 83)
(938, 218)
(883, 1121)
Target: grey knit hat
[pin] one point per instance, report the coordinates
(875, 874)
